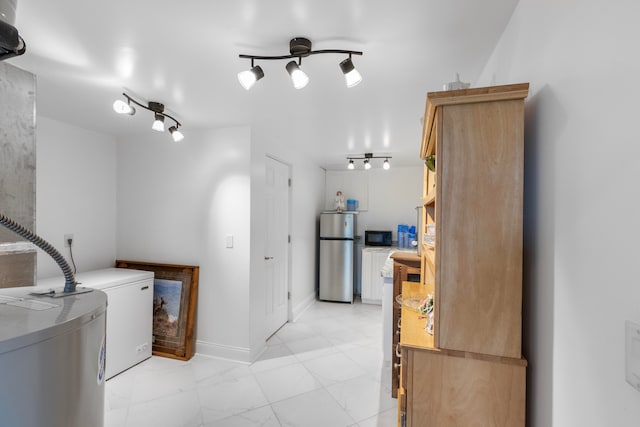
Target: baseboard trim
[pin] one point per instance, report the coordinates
(219, 351)
(303, 306)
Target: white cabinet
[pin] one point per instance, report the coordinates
(373, 260)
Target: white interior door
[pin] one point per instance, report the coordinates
(276, 257)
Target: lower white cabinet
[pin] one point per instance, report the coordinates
(373, 260)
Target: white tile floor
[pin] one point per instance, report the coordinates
(325, 370)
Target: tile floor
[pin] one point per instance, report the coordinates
(324, 370)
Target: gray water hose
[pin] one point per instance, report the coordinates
(69, 278)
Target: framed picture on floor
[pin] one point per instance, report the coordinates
(175, 297)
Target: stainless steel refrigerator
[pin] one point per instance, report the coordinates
(337, 234)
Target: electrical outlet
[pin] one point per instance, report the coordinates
(67, 238)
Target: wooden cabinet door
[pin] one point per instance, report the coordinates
(479, 228)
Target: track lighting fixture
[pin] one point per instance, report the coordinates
(351, 76)
(158, 123)
(299, 48)
(176, 134)
(122, 107)
(367, 161)
(298, 77)
(249, 77)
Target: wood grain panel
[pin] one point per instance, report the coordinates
(457, 391)
(463, 96)
(480, 217)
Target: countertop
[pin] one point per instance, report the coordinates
(397, 253)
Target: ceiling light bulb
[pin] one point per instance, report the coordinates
(158, 123)
(176, 134)
(248, 78)
(351, 166)
(351, 76)
(121, 107)
(298, 77)
(386, 164)
(367, 165)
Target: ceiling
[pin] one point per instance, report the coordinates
(185, 55)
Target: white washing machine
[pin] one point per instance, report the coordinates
(129, 313)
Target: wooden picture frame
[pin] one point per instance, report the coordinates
(175, 297)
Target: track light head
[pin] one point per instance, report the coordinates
(351, 166)
(158, 123)
(121, 107)
(351, 76)
(176, 134)
(367, 165)
(298, 77)
(386, 165)
(248, 78)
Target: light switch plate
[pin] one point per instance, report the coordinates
(229, 240)
(633, 354)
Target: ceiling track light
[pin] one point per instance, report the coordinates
(351, 76)
(250, 77)
(158, 123)
(367, 161)
(299, 48)
(122, 107)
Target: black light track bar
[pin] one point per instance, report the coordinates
(369, 156)
(156, 107)
(300, 47)
(290, 56)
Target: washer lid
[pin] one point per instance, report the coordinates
(26, 319)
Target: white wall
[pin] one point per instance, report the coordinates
(176, 204)
(391, 200)
(75, 194)
(581, 204)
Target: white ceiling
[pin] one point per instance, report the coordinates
(185, 55)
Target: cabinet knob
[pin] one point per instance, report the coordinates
(267, 258)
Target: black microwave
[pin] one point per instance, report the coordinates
(377, 238)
